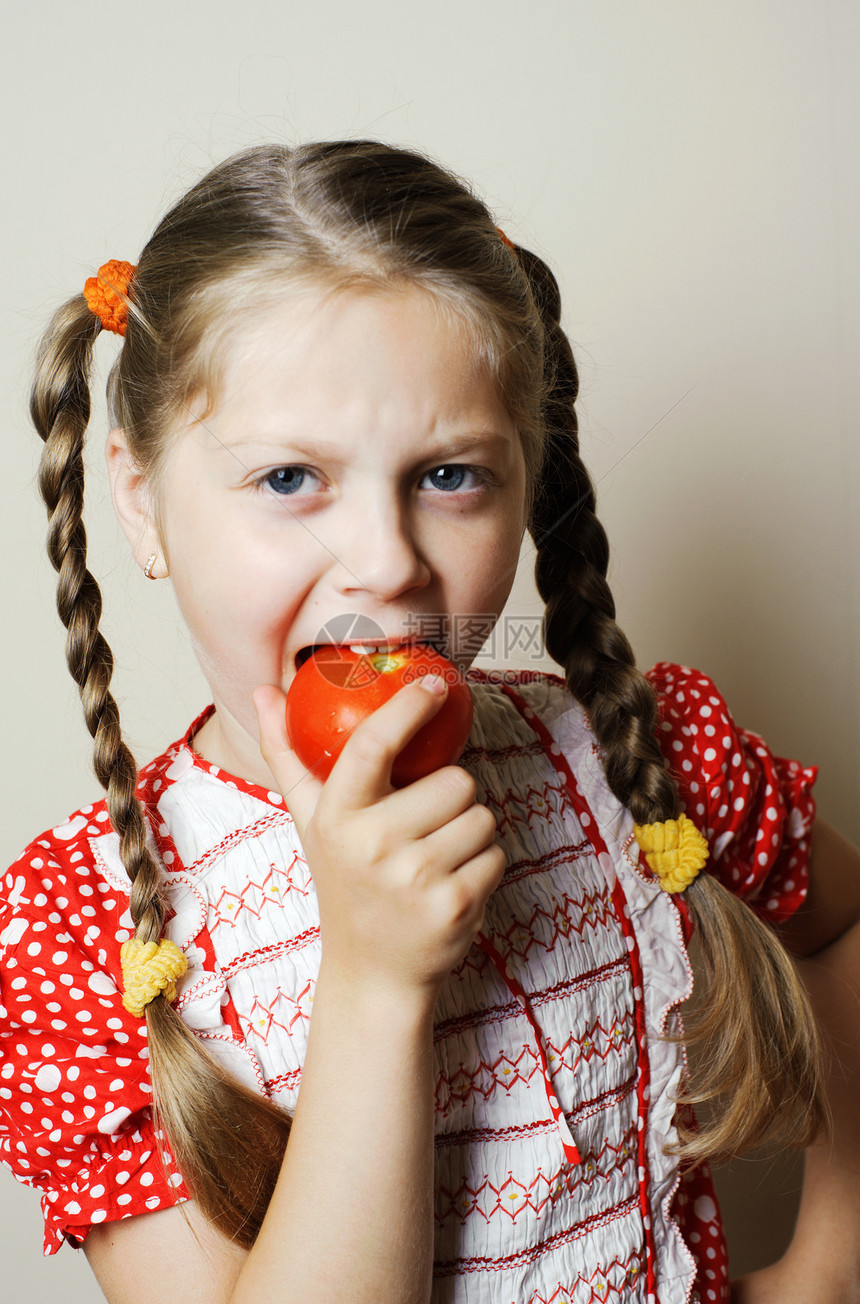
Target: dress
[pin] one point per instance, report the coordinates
(554, 1091)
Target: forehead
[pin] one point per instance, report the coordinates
(315, 349)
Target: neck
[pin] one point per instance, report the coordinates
(224, 742)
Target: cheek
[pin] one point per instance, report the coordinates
(500, 563)
(505, 561)
(504, 548)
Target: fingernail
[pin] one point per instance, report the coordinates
(433, 684)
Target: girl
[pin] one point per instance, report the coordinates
(342, 398)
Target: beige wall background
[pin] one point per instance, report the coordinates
(689, 169)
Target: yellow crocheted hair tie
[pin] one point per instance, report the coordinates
(149, 968)
(675, 851)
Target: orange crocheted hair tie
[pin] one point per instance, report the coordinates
(506, 240)
(107, 294)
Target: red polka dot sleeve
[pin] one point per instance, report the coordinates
(755, 809)
(74, 1080)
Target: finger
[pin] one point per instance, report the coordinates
(299, 787)
(459, 840)
(468, 891)
(483, 873)
(430, 803)
(362, 773)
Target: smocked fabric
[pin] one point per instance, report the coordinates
(549, 1032)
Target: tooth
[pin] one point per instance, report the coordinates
(371, 647)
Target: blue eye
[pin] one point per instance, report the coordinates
(285, 479)
(450, 476)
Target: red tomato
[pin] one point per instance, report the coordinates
(336, 688)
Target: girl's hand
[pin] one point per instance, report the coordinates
(402, 876)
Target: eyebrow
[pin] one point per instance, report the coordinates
(481, 439)
(454, 447)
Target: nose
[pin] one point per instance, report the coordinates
(379, 554)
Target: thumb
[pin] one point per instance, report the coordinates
(297, 785)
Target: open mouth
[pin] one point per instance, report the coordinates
(367, 649)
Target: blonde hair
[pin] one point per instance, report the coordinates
(360, 213)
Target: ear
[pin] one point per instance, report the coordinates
(134, 504)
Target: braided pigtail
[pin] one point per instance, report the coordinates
(758, 1069)
(60, 408)
(190, 1089)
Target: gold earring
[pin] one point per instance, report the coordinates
(150, 562)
